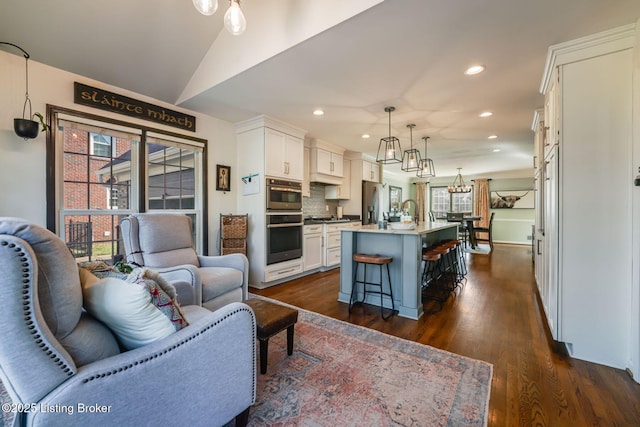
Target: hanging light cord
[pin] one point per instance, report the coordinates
(26, 71)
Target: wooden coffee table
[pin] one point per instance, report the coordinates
(271, 319)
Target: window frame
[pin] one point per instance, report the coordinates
(138, 202)
(450, 200)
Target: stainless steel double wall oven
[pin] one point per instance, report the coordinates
(284, 220)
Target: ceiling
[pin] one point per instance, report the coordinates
(410, 54)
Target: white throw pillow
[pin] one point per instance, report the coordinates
(126, 308)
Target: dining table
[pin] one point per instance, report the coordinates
(469, 221)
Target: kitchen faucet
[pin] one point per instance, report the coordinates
(416, 213)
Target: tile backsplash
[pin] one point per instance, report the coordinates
(316, 204)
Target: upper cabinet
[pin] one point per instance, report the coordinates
(340, 192)
(284, 155)
(370, 171)
(326, 163)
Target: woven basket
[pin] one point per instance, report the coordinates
(234, 227)
(234, 246)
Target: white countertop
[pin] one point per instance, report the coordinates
(421, 228)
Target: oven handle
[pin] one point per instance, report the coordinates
(297, 224)
(289, 189)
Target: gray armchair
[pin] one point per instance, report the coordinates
(163, 242)
(53, 354)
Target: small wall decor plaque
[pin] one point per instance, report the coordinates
(223, 178)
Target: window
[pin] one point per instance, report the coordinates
(97, 179)
(101, 145)
(442, 202)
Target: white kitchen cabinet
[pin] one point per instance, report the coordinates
(326, 163)
(332, 244)
(340, 192)
(284, 155)
(276, 273)
(312, 246)
(588, 181)
(370, 171)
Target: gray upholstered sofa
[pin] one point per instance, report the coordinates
(66, 368)
(163, 242)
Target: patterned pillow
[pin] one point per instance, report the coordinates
(139, 307)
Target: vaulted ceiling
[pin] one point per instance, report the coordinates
(352, 59)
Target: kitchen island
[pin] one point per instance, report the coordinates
(405, 246)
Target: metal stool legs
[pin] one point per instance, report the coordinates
(353, 300)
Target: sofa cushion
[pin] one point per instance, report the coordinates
(217, 281)
(138, 311)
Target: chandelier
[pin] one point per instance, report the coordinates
(426, 169)
(458, 185)
(234, 20)
(411, 157)
(389, 150)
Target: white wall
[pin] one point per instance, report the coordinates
(23, 163)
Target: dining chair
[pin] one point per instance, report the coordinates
(488, 231)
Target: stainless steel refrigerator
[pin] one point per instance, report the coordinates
(371, 202)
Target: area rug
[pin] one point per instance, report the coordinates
(479, 249)
(345, 375)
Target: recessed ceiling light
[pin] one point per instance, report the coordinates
(496, 150)
(366, 136)
(318, 112)
(474, 69)
(492, 136)
(486, 114)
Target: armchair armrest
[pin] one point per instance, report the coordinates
(201, 375)
(180, 276)
(237, 261)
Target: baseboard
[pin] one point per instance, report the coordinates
(508, 242)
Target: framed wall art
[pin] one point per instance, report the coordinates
(223, 178)
(395, 197)
(512, 199)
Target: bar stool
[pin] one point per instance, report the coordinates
(432, 258)
(379, 260)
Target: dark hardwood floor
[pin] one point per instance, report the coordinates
(497, 318)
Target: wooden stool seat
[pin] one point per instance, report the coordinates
(372, 259)
(431, 256)
(270, 320)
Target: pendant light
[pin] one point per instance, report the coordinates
(458, 185)
(411, 157)
(234, 20)
(426, 168)
(389, 150)
(206, 7)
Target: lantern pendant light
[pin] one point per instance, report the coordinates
(411, 157)
(389, 150)
(426, 169)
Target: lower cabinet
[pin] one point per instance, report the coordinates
(312, 246)
(332, 246)
(282, 270)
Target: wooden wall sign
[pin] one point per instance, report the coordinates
(109, 101)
